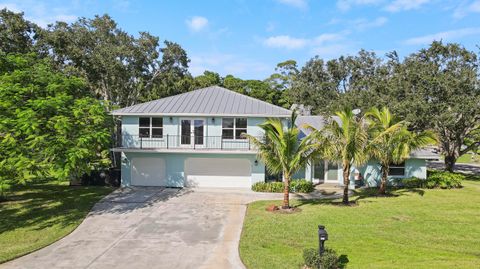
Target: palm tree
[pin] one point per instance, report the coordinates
(343, 141)
(281, 151)
(391, 141)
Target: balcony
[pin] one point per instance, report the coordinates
(174, 143)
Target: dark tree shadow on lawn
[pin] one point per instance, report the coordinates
(324, 201)
(343, 260)
(361, 195)
(365, 193)
(45, 205)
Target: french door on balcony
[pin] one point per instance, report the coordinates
(192, 132)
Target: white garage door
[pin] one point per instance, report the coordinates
(148, 172)
(213, 172)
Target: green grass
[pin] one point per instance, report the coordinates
(35, 216)
(416, 229)
(469, 158)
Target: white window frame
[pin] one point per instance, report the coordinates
(234, 128)
(150, 127)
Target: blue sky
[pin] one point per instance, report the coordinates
(248, 38)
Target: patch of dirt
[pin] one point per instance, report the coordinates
(279, 209)
(272, 208)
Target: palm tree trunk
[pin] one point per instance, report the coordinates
(383, 183)
(346, 181)
(286, 191)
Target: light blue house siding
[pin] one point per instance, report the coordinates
(171, 129)
(371, 173)
(175, 162)
(175, 165)
(413, 168)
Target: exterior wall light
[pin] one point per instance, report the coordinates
(256, 162)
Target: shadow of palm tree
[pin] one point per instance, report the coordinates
(361, 194)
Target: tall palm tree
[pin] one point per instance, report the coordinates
(343, 141)
(281, 151)
(391, 142)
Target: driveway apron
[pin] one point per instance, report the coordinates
(150, 228)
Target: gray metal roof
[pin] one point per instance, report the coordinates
(208, 101)
(428, 153)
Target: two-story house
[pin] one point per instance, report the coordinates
(195, 139)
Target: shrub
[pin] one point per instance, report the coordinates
(435, 179)
(329, 259)
(300, 185)
(444, 180)
(268, 187)
(413, 182)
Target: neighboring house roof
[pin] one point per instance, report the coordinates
(428, 153)
(210, 101)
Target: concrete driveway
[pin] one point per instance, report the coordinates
(151, 228)
(154, 227)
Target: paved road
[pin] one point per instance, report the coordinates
(154, 228)
(459, 167)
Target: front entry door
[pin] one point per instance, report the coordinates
(192, 132)
(326, 171)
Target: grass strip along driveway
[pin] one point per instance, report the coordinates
(416, 229)
(38, 215)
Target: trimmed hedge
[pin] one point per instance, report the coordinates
(436, 179)
(300, 185)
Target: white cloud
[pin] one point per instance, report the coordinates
(445, 36)
(288, 42)
(197, 23)
(363, 24)
(285, 41)
(324, 45)
(39, 13)
(345, 5)
(226, 64)
(333, 51)
(300, 4)
(401, 5)
(325, 38)
(466, 8)
(10, 6)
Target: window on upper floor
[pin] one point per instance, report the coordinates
(150, 127)
(397, 169)
(233, 128)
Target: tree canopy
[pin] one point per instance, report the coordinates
(50, 127)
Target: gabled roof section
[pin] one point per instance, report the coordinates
(210, 101)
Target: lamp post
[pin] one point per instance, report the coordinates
(322, 237)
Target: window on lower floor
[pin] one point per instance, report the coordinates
(150, 127)
(397, 169)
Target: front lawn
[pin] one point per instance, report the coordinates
(468, 158)
(417, 229)
(38, 215)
